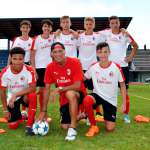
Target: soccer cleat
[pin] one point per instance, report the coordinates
(3, 120)
(141, 118)
(99, 118)
(126, 118)
(29, 131)
(2, 131)
(13, 125)
(93, 130)
(71, 135)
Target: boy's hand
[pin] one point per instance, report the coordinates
(53, 94)
(11, 101)
(42, 116)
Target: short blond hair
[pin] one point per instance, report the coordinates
(64, 17)
(92, 19)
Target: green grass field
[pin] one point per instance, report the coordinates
(132, 136)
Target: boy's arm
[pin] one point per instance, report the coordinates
(4, 103)
(25, 91)
(133, 51)
(74, 33)
(33, 58)
(4, 99)
(45, 103)
(123, 93)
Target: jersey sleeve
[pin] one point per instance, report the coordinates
(48, 78)
(88, 74)
(121, 77)
(129, 38)
(77, 71)
(33, 45)
(100, 38)
(3, 79)
(31, 76)
(103, 34)
(14, 42)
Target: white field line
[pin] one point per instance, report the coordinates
(140, 97)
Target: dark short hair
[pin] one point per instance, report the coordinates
(101, 45)
(25, 22)
(113, 17)
(17, 50)
(57, 43)
(47, 21)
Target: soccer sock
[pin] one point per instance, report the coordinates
(32, 100)
(41, 99)
(88, 104)
(127, 104)
(98, 110)
(23, 108)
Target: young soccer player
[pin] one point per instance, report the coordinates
(67, 74)
(18, 84)
(87, 42)
(24, 41)
(67, 36)
(105, 75)
(41, 54)
(118, 43)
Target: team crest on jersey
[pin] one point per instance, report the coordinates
(22, 78)
(29, 44)
(111, 74)
(68, 72)
(119, 37)
(55, 73)
(72, 38)
(49, 40)
(93, 38)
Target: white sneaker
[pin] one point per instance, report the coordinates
(126, 119)
(71, 135)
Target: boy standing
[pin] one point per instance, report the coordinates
(41, 54)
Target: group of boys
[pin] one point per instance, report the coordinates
(51, 58)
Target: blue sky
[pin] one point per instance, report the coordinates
(139, 10)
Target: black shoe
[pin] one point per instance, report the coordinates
(29, 131)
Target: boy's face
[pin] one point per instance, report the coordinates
(17, 61)
(58, 54)
(25, 29)
(114, 24)
(89, 25)
(46, 28)
(65, 24)
(103, 54)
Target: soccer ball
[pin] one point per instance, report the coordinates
(40, 128)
